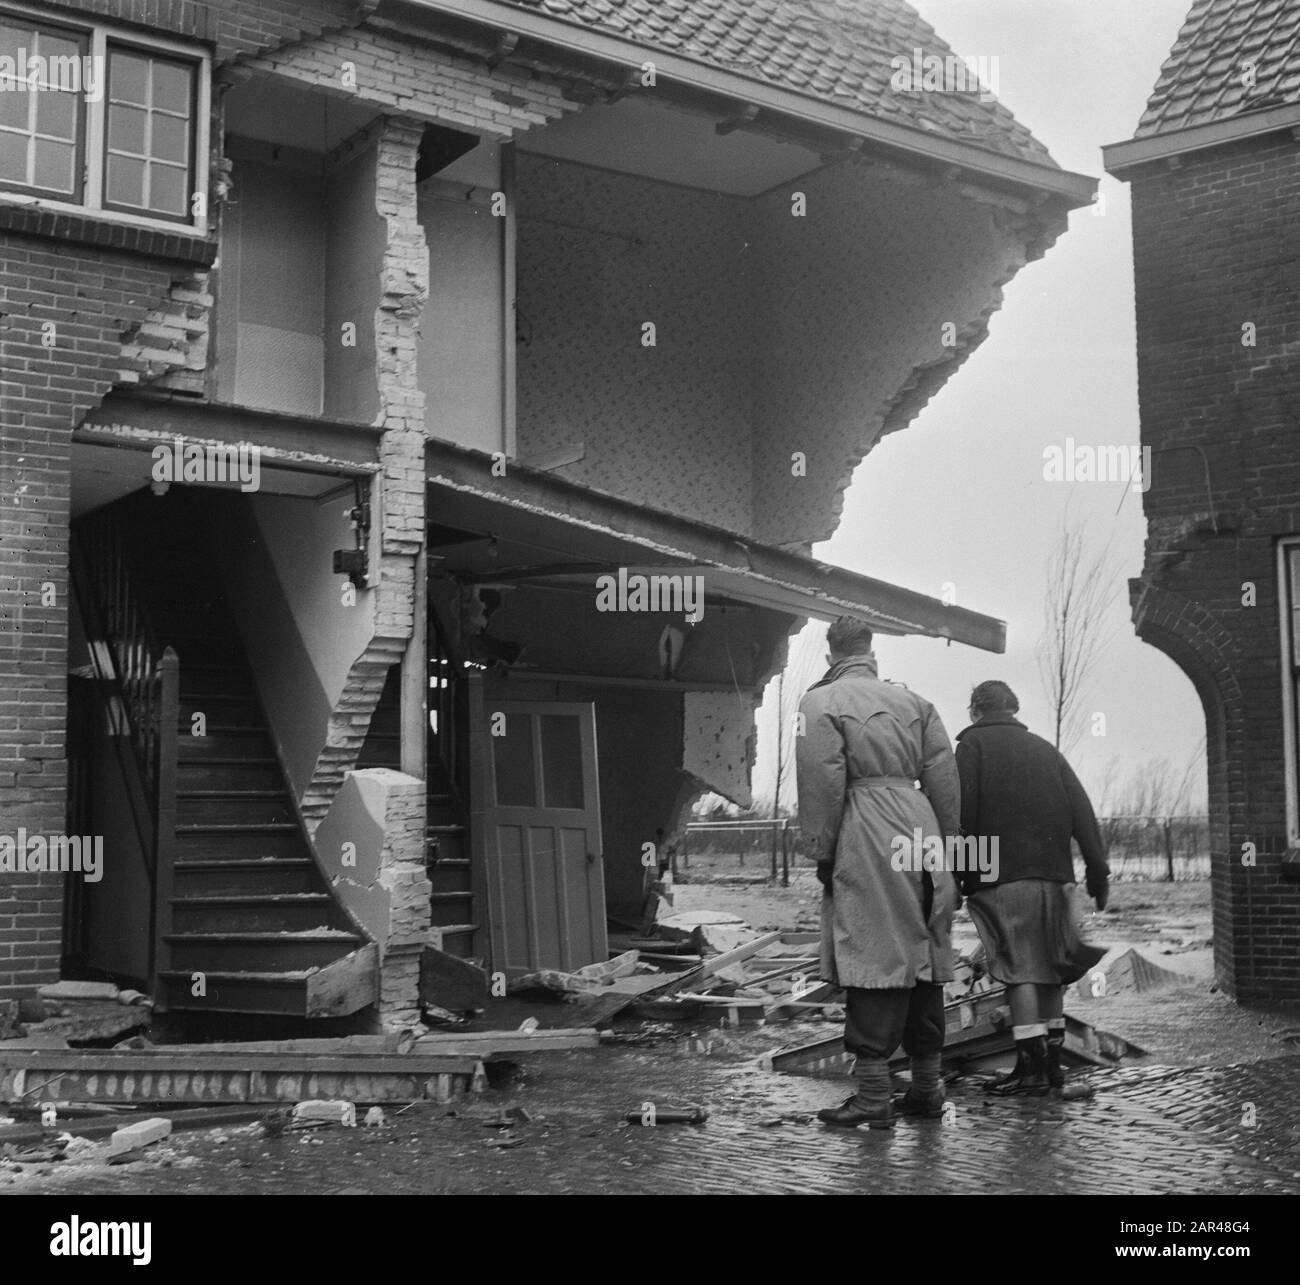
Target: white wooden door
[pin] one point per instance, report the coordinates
(546, 879)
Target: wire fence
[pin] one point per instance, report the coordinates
(1148, 848)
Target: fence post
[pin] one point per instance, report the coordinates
(1169, 847)
(785, 854)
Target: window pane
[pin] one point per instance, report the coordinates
(13, 158)
(513, 757)
(60, 54)
(171, 88)
(167, 189)
(171, 139)
(126, 129)
(125, 181)
(14, 108)
(54, 166)
(561, 761)
(56, 114)
(128, 78)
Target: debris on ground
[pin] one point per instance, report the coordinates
(139, 1134)
(331, 1111)
(651, 1114)
(1130, 973)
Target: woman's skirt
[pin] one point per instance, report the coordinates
(1030, 933)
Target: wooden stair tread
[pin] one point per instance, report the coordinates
(211, 974)
(233, 792)
(267, 938)
(245, 863)
(253, 899)
(250, 827)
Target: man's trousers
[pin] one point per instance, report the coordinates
(877, 1021)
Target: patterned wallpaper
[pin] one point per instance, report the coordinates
(599, 254)
(852, 299)
(776, 333)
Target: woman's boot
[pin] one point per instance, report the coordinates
(1056, 1071)
(1029, 1077)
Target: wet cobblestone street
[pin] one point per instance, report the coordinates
(1150, 1129)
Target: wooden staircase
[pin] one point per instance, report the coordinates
(240, 898)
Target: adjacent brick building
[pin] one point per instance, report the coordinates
(1215, 175)
(497, 299)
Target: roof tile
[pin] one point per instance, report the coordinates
(839, 51)
(1202, 79)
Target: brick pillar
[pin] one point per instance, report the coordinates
(402, 875)
(401, 536)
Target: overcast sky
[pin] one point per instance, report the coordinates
(1059, 362)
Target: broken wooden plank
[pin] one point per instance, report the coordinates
(139, 1076)
(691, 979)
(451, 983)
(395, 1042)
(489, 1043)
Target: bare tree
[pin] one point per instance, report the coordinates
(1079, 591)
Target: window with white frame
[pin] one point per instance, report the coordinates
(101, 121)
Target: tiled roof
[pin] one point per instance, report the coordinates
(839, 51)
(1205, 78)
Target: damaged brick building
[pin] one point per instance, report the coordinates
(494, 300)
(1215, 174)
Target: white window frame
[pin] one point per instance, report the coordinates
(1290, 690)
(96, 122)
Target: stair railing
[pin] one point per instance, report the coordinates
(144, 678)
(448, 705)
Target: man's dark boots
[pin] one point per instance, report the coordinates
(1029, 1077)
(870, 1104)
(924, 1099)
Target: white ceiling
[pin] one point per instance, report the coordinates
(641, 135)
(102, 474)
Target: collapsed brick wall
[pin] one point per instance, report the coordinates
(63, 319)
(398, 522)
(1217, 248)
(420, 82)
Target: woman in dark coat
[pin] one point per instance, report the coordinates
(1017, 789)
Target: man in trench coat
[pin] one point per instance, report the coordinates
(886, 917)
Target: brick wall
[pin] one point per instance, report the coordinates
(63, 319)
(1217, 246)
(73, 323)
(232, 27)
